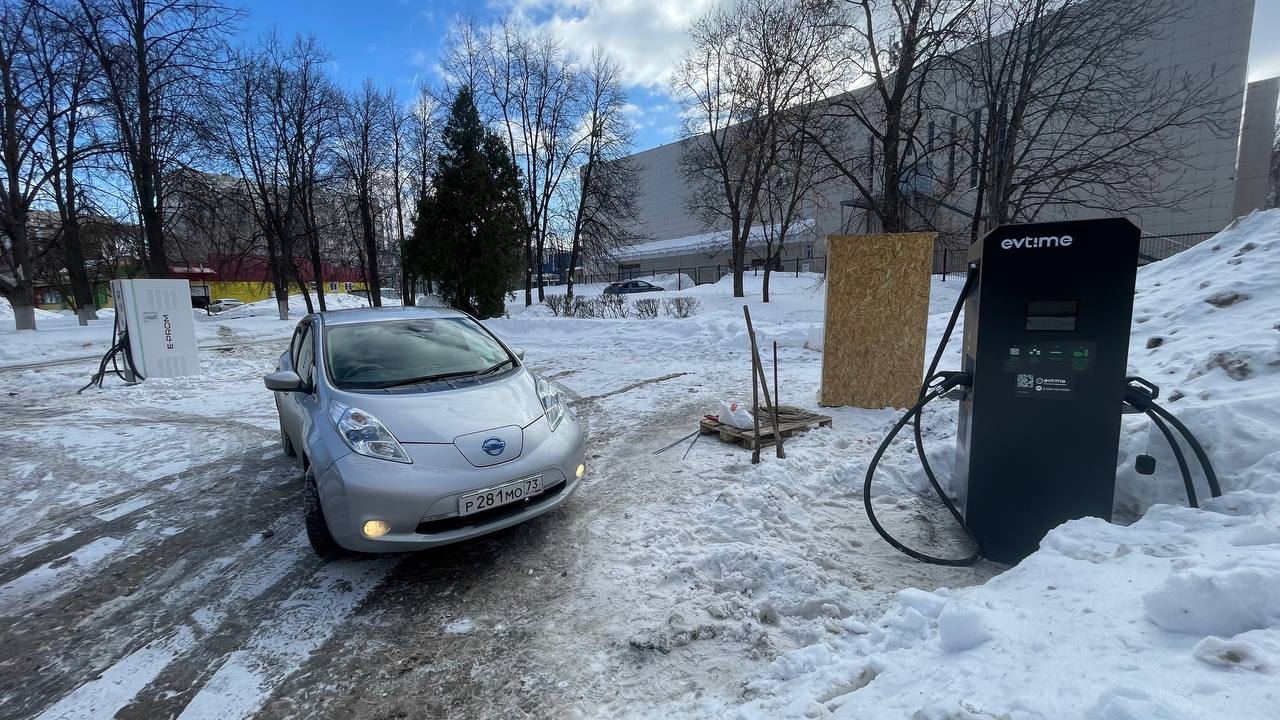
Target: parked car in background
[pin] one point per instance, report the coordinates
(417, 427)
(627, 287)
(218, 306)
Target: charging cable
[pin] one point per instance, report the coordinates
(1140, 394)
(935, 385)
(119, 347)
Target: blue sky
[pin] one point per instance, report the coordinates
(397, 41)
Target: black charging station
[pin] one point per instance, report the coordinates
(1046, 342)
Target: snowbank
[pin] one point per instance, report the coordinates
(1176, 616)
(297, 306)
(6, 313)
(1169, 618)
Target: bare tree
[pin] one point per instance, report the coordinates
(23, 130)
(364, 153)
(400, 127)
(261, 123)
(606, 211)
(872, 136)
(792, 189)
(156, 58)
(423, 146)
(532, 89)
(66, 71)
(1068, 112)
(749, 61)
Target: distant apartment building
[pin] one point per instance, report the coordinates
(218, 246)
(1226, 174)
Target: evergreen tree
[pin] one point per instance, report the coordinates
(469, 233)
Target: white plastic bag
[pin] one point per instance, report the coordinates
(736, 415)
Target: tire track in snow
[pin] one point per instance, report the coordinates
(53, 579)
(119, 684)
(226, 525)
(282, 643)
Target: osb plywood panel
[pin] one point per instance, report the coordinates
(877, 315)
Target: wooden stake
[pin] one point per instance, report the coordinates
(755, 398)
(777, 391)
(757, 369)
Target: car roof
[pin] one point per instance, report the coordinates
(373, 314)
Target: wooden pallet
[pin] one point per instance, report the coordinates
(746, 438)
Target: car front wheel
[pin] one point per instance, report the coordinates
(318, 534)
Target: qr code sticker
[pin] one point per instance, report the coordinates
(1026, 380)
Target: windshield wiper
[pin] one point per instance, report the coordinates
(495, 367)
(424, 378)
(445, 376)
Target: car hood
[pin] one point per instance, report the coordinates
(440, 416)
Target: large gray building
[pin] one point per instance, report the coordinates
(1223, 176)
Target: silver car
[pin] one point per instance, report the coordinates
(418, 427)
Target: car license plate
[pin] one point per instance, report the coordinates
(499, 496)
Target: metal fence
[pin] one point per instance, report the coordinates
(946, 262)
(1158, 247)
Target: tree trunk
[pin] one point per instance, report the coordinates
(81, 288)
(568, 278)
(317, 271)
(539, 264)
(374, 284)
(768, 268)
(302, 285)
(23, 297)
(528, 271)
(739, 259)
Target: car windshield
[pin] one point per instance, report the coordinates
(400, 352)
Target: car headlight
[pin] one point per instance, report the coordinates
(552, 405)
(365, 435)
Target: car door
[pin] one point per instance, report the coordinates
(307, 400)
(290, 406)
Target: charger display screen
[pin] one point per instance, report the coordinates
(1051, 315)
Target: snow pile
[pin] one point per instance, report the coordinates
(1206, 328)
(297, 306)
(1168, 618)
(6, 313)
(1176, 616)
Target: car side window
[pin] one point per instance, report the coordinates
(306, 354)
(295, 344)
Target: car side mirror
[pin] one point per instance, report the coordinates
(519, 351)
(283, 381)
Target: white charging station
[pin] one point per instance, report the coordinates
(157, 316)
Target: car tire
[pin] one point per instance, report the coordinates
(286, 444)
(318, 535)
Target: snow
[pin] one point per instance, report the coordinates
(162, 520)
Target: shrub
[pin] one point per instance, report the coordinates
(614, 306)
(558, 304)
(682, 307)
(647, 308)
(580, 308)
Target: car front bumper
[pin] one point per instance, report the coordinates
(419, 500)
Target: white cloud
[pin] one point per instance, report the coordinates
(646, 36)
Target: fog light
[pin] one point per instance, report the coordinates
(582, 470)
(376, 528)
